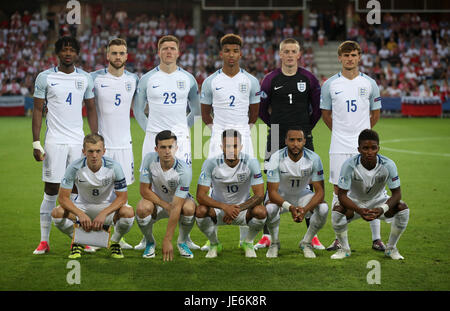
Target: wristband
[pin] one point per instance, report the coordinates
(37, 145)
(286, 205)
(385, 207)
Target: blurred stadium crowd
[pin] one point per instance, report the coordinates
(408, 54)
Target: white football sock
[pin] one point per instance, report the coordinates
(254, 226)
(398, 226)
(185, 226)
(339, 222)
(208, 227)
(65, 225)
(243, 232)
(122, 226)
(47, 206)
(375, 228)
(146, 226)
(317, 221)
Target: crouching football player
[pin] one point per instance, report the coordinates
(101, 200)
(289, 172)
(362, 194)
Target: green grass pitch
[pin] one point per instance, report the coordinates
(420, 148)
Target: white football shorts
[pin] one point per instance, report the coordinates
(125, 159)
(336, 161)
(57, 158)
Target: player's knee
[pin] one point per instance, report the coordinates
(188, 208)
(51, 188)
(401, 206)
(144, 209)
(126, 211)
(338, 208)
(201, 211)
(259, 212)
(58, 212)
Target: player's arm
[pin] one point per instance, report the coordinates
(276, 198)
(253, 111)
(326, 117)
(256, 199)
(91, 113)
(66, 203)
(374, 117)
(314, 101)
(348, 204)
(36, 124)
(206, 111)
(318, 197)
(148, 194)
(174, 216)
(264, 105)
(140, 101)
(194, 103)
(231, 210)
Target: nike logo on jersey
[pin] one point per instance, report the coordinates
(283, 172)
(338, 92)
(219, 88)
(155, 86)
(277, 87)
(53, 84)
(102, 85)
(81, 180)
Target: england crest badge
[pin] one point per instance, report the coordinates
(301, 86)
(181, 84)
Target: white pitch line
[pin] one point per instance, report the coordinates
(415, 139)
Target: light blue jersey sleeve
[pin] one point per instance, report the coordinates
(206, 94)
(40, 85)
(255, 90)
(273, 168)
(120, 183)
(325, 96)
(145, 174)
(140, 101)
(68, 180)
(193, 100)
(393, 180)
(255, 169)
(205, 178)
(317, 168)
(89, 92)
(374, 98)
(345, 177)
(185, 174)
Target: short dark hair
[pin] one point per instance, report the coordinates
(368, 134)
(67, 41)
(231, 133)
(294, 128)
(164, 135)
(168, 38)
(230, 38)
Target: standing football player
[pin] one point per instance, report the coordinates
(350, 102)
(61, 90)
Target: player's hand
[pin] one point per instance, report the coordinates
(294, 213)
(377, 212)
(98, 222)
(366, 214)
(232, 211)
(85, 222)
(167, 250)
(301, 212)
(38, 155)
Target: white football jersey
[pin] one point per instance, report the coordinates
(98, 187)
(230, 185)
(350, 102)
(294, 177)
(114, 96)
(366, 185)
(64, 94)
(168, 96)
(230, 97)
(166, 184)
